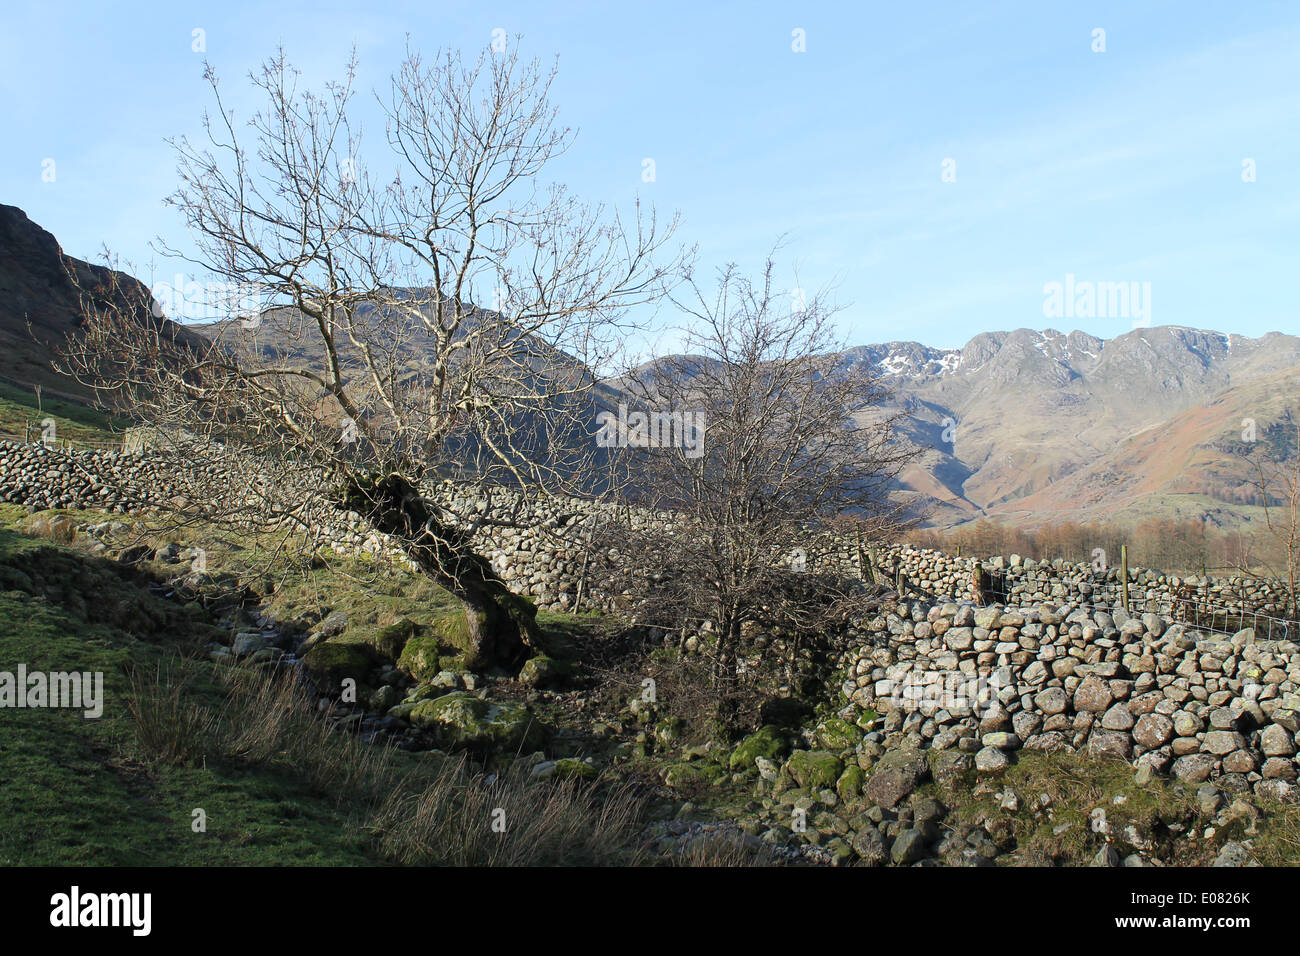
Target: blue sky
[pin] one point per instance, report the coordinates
(1122, 166)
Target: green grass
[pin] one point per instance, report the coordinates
(1059, 833)
(74, 790)
(76, 422)
(277, 786)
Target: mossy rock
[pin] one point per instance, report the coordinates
(420, 657)
(669, 732)
(390, 641)
(385, 698)
(426, 692)
(452, 630)
(849, 786)
(571, 768)
(380, 645)
(814, 769)
(330, 663)
(461, 721)
(544, 671)
(770, 741)
(403, 710)
(680, 775)
(867, 720)
(835, 733)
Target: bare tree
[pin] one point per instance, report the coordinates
(1276, 464)
(757, 446)
(424, 309)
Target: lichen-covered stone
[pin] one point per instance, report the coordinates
(835, 733)
(769, 741)
(895, 776)
(814, 769)
(460, 720)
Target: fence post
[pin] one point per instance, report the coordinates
(582, 577)
(869, 568)
(1123, 573)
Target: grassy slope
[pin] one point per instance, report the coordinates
(82, 791)
(76, 422)
(73, 791)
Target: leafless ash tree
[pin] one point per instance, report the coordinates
(1275, 461)
(426, 308)
(785, 447)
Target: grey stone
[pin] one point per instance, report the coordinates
(1117, 718)
(991, 760)
(1051, 701)
(1092, 696)
(869, 845)
(1222, 742)
(1110, 743)
(1277, 741)
(1153, 730)
(1232, 854)
(895, 776)
(1194, 768)
(909, 846)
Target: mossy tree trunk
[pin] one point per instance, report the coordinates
(500, 627)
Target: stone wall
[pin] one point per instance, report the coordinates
(548, 557)
(1023, 581)
(1057, 666)
(987, 682)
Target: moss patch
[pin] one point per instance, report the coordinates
(331, 662)
(814, 769)
(461, 721)
(770, 741)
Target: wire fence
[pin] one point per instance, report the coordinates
(1196, 613)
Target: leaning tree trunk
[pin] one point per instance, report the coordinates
(499, 626)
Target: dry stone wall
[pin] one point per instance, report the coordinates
(1057, 665)
(983, 683)
(547, 556)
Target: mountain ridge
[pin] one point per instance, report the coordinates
(1021, 424)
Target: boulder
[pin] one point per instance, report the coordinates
(459, 721)
(895, 776)
(1093, 696)
(544, 671)
(836, 733)
(1277, 741)
(814, 769)
(991, 760)
(769, 741)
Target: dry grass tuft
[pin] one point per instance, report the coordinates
(268, 719)
(506, 819)
(416, 811)
(170, 728)
(724, 850)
